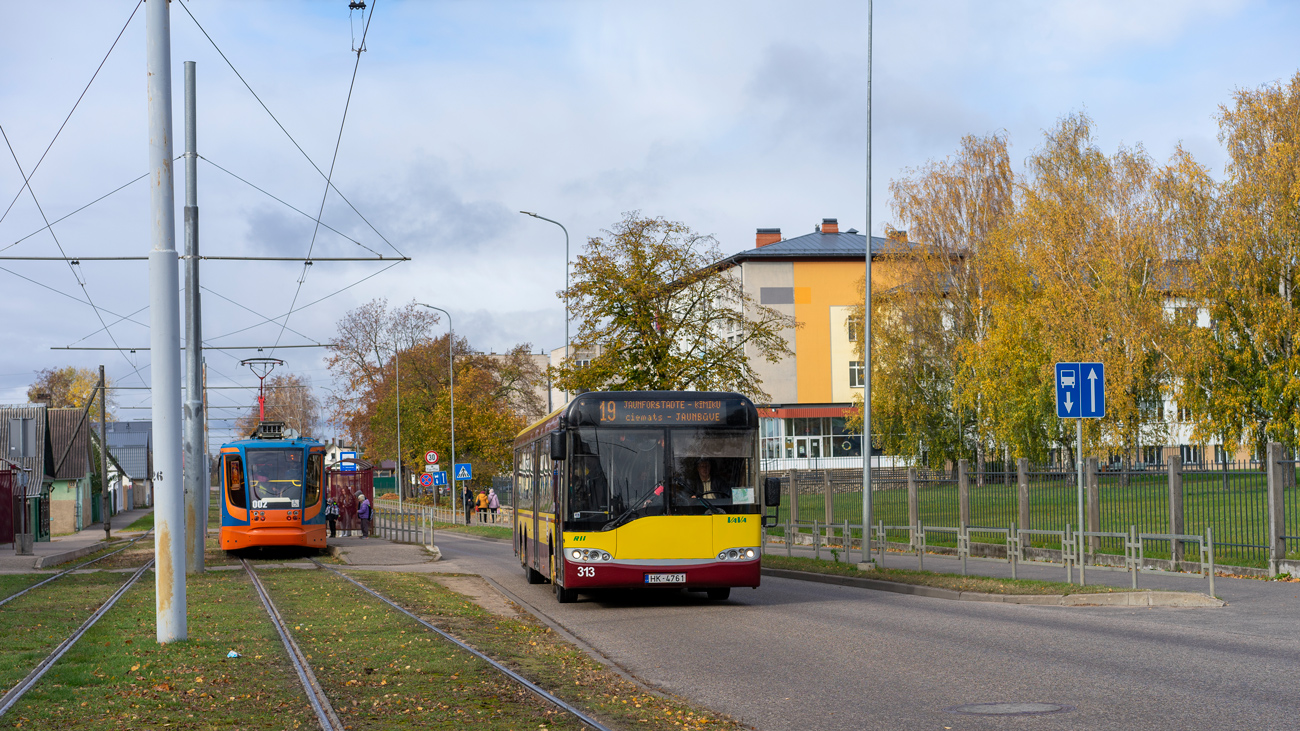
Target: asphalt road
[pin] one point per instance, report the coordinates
(801, 655)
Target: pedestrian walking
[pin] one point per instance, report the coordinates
(469, 504)
(493, 503)
(365, 513)
(332, 515)
(482, 503)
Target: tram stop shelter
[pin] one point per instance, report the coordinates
(343, 481)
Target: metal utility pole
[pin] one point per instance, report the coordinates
(196, 472)
(103, 455)
(164, 335)
(451, 378)
(866, 335)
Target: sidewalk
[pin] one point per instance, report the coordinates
(63, 549)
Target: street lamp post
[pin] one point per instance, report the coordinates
(451, 377)
(566, 283)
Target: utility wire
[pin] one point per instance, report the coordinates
(289, 206)
(221, 53)
(27, 178)
(79, 210)
(309, 304)
(71, 266)
(338, 142)
(255, 312)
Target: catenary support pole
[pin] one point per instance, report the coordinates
(164, 334)
(397, 366)
(196, 453)
(866, 332)
(103, 455)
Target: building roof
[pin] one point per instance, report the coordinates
(130, 443)
(69, 435)
(37, 456)
(817, 245)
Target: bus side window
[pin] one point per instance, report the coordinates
(235, 481)
(312, 495)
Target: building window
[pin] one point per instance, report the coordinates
(856, 376)
(853, 324)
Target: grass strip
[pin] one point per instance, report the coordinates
(144, 522)
(383, 671)
(118, 677)
(532, 649)
(956, 582)
(487, 531)
(35, 623)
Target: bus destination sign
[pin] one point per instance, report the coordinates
(664, 412)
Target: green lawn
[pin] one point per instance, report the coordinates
(144, 522)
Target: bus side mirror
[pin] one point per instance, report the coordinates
(772, 491)
(557, 447)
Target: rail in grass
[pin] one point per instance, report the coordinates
(272, 490)
(641, 489)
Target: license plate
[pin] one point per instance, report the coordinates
(665, 578)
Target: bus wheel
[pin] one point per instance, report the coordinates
(718, 595)
(534, 576)
(563, 595)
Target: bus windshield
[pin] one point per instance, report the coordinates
(617, 475)
(276, 477)
(711, 472)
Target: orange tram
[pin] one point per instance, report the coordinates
(272, 490)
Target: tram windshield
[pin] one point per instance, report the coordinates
(619, 475)
(276, 476)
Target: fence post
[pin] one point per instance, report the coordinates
(1022, 484)
(1276, 506)
(830, 499)
(913, 497)
(1094, 503)
(794, 496)
(963, 492)
(1175, 508)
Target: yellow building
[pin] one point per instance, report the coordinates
(816, 279)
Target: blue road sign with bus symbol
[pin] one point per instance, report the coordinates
(1080, 390)
(439, 478)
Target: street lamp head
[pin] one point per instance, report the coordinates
(529, 213)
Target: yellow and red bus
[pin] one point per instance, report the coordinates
(641, 489)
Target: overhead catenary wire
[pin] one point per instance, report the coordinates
(311, 162)
(27, 178)
(338, 142)
(71, 267)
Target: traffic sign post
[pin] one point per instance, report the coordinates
(426, 480)
(439, 479)
(431, 457)
(347, 466)
(464, 471)
(1080, 394)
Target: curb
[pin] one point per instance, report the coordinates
(1117, 599)
(54, 559)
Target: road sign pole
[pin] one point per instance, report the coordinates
(1079, 459)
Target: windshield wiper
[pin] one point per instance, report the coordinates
(637, 504)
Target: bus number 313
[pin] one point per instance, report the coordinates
(587, 571)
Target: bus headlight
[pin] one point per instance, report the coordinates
(749, 553)
(738, 554)
(576, 554)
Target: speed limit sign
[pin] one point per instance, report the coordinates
(431, 457)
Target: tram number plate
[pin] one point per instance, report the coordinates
(665, 578)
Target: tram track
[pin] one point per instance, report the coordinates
(65, 572)
(521, 680)
(320, 702)
(18, 691)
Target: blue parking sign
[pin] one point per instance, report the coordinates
(1081, 390)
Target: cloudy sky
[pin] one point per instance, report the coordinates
(728, 116)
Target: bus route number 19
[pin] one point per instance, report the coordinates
(607, 410)
(587, 571)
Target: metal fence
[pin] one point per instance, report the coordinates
(407, 524)
(1231, 498)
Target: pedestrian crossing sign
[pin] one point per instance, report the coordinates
(464, 471)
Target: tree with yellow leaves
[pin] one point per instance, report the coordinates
(68, 387)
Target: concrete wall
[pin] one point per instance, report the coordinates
(780, 378)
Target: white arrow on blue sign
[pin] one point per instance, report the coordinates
(439, 478)
(1081, 390)
(464, 471)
